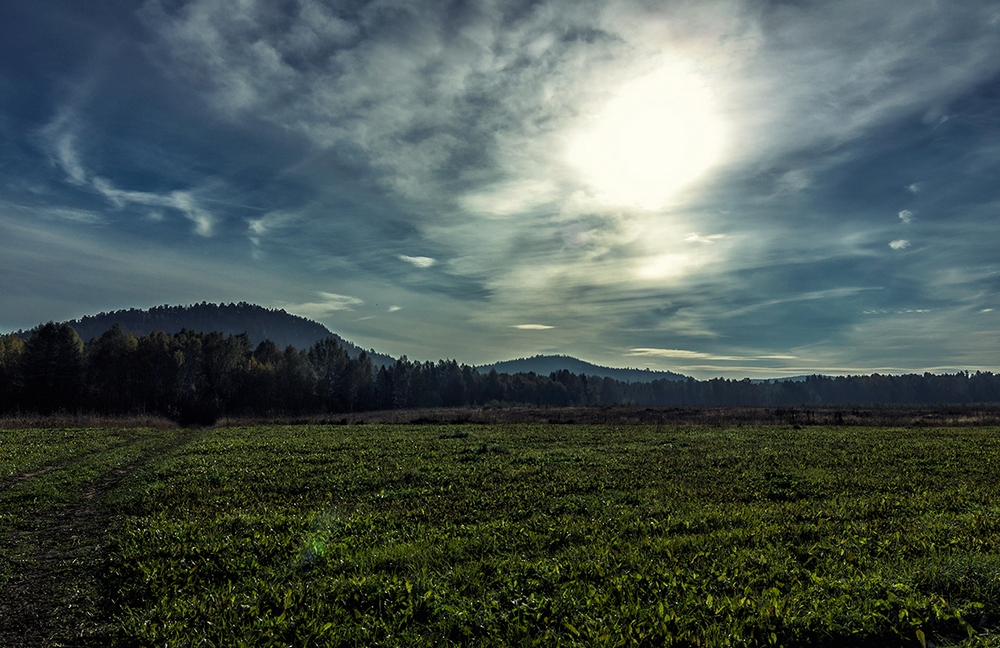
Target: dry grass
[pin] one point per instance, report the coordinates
(67, 420)
(922, 416)
(960, 416)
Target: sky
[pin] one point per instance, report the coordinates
(738, 188)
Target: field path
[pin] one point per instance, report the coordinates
(14, 480)
(43, 602)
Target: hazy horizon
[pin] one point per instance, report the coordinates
(719, 188)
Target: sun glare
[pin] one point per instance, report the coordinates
(656, 136)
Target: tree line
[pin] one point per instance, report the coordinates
(195, 377)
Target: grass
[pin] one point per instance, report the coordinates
(534, 534)
(53, 528)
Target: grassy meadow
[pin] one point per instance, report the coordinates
(521, 534)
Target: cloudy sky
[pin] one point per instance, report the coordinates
(715, 187)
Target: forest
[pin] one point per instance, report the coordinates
(196, 377)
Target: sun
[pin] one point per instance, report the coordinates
(657, 135)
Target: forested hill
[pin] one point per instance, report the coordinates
(543, 365)
(257, 322)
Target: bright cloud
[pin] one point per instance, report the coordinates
(552, 161)
(695, 237)
(419, 261)
(328, 303)
(680, 354)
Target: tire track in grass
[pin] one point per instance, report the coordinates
(54, 597)
(14, 480)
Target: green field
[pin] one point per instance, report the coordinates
(397, 535)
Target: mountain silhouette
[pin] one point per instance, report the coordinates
(259, 323)
(544, 365)
(286, 329)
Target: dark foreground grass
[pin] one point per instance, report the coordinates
(558, 535)
(54, 529)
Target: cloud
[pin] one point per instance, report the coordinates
(334, 302)
(62, 140)
(906, 216)
(532, 327)
(66, 151)
(468, 115)
(695, 237)
(379, 127)
(328, 303)
(679, 354)
(508, 198)
(419, 261)
(182, 201)
(258, 228)
(899, 244)
(856, 65)
(394, 309)
(72, 214)
(682, 354)
(793, 181)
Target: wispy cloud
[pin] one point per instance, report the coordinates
(63, 141)
(258, 228)
(65, 146)
(326, 304)
(793, 181)
(469, 118)
(76, 215)
(333, 136)
(182, 201)
(60, 138)
(695, 237)
(681, 354)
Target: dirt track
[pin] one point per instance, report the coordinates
(53, 596)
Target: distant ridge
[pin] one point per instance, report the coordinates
(257, 322)
(544, 365)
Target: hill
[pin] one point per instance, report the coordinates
(257, 322)
(543, 365)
